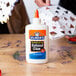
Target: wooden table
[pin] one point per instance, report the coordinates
(62, 58)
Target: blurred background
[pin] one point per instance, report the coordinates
(23, 11)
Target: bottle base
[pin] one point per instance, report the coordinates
(37, 61)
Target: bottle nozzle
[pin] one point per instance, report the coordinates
(36, 19)
(36, 14)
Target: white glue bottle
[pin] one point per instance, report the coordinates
(37, 38)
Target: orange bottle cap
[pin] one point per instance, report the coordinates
(36, 14)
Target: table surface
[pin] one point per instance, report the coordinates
(62, 58)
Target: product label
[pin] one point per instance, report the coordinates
(37, 48)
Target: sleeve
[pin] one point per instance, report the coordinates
(64, 3)
(69, 5)
(19, 19)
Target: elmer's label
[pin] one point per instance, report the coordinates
(37, 44)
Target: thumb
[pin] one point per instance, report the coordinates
(47, 2)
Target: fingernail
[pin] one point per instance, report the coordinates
(49, 4)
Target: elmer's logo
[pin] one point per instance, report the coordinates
(37, 34)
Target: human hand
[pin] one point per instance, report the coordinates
(41, 3)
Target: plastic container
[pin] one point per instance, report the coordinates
(37, 41)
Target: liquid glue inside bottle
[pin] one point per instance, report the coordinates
(37, 38)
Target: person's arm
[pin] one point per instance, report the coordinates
(42, 3)
(19, 18)
(69, 4)
(64, 3)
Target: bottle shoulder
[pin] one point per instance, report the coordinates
(36, 26)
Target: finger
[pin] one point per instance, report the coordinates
(67, 37)
(47, 2)
(40, 3)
